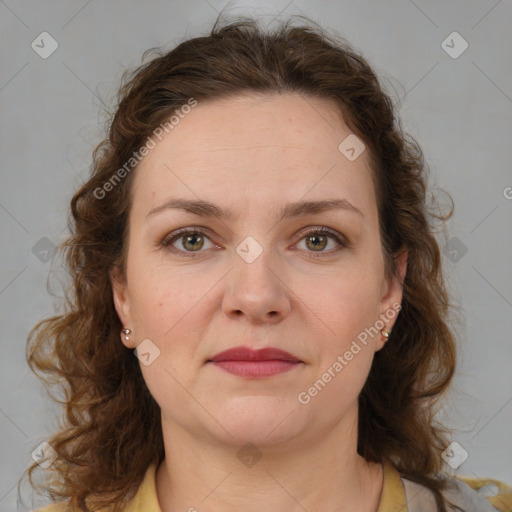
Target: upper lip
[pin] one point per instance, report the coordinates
(248, 354)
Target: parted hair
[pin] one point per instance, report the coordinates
(110, 430)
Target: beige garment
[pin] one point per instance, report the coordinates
(398, 495)
(421, 499)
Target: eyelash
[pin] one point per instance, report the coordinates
(168, 240)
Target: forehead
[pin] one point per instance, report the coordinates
(251, 147)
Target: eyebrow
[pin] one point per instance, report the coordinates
(296, 209)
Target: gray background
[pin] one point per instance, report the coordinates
(459, 109)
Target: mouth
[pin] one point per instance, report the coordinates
(245, 362)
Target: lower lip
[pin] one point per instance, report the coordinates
(256, 368)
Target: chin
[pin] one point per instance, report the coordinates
(260, 420)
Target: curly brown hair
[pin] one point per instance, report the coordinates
(112, 430)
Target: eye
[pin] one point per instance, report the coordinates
(316, 240)
(186, 240)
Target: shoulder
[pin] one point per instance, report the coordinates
(144, 499)
(421, 499)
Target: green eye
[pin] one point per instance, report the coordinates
(193, 240)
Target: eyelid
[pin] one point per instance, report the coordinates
(324, 230)
(170, 238)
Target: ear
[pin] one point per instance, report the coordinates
(121, 302)
(392, 291)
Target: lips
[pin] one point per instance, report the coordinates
(247, 354)
(255, 364)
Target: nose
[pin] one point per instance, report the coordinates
(257, 291)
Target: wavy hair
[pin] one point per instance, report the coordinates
(111, 432)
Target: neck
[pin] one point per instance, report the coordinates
(325, 474)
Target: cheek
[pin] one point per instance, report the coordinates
(348, 300)
(357, 302)
(345, 357)
(172, 307)
(157, 295)
(339, 388)
(158, 308)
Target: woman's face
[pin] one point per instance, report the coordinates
(255, 273)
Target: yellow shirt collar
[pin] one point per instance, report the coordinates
(146, 498)
(391, 500)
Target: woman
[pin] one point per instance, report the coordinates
(256, 231)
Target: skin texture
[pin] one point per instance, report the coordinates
(253, 155)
